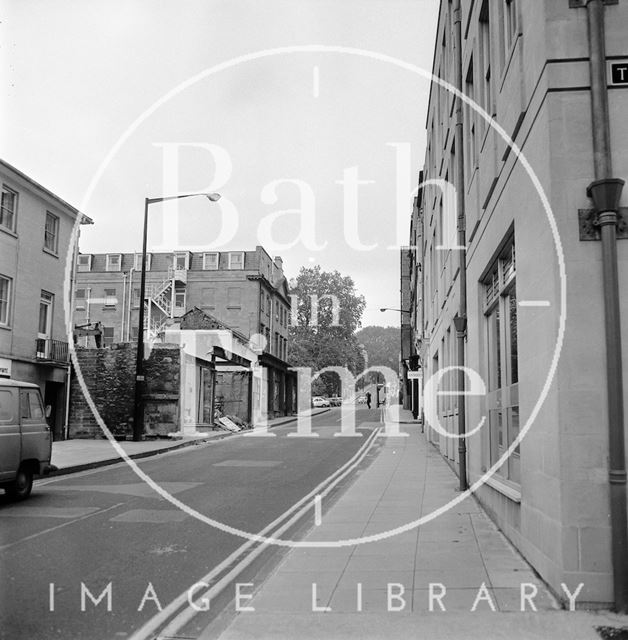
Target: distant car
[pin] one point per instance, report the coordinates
(318, 402)
(361, 400)
(336, 401)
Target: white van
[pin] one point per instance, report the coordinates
(25, 438)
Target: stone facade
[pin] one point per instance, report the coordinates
(35, 233)
(526, 64)
(109, 376)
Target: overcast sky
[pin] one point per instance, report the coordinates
(95, 94)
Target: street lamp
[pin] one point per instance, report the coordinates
(389, 309)
(138, 408)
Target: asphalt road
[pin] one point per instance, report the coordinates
(108, 532)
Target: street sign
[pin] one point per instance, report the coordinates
(415, 375)
(618, 73)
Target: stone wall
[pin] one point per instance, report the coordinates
(109, 375)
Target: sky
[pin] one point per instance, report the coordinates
(307, 116)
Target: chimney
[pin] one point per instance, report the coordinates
(279, 263)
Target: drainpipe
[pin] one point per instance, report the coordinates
(130, 305)
(607, 220)
(123, 305)
(460, 321)
(66, 423)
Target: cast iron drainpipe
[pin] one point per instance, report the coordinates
(460, 321)
(608, 231)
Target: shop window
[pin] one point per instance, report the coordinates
(500, 313)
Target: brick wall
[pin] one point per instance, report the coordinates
(109, 376)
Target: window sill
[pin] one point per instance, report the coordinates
(504, 488)
(50, 252)
(8, 231)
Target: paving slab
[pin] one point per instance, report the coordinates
(387, 587)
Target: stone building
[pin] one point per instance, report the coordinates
(244, 291)
(35, 236)
(522, 303)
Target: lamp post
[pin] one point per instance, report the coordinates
(138, 408)
(390, 309)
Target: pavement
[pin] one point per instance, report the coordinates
(454, 576)
(71, 456)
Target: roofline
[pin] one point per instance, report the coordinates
(84, 219)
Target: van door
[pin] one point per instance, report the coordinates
(10, 440)
(36, 438)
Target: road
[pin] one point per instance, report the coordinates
(107, 532)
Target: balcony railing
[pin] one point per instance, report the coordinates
(54, 350)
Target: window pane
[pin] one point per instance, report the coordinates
(25, 407)
(512, 307)
(43, 317)
(7, 406)
(494, 350)
(50, 232)
(37, 412)
(498, 346)
(514, 462)
(7, 211)
(110, 298)
(514, 426)
(4, 300)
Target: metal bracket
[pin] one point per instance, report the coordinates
(578, 4)
(590, 230)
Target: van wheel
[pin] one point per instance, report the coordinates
(22, 485)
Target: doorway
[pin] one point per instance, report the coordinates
(54, 396)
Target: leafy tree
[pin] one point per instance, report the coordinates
(329, 311)
(382, 345)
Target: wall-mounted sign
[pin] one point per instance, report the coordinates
(5, 368)
(618, 72)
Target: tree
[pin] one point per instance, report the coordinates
(382, 345)
(329, 311)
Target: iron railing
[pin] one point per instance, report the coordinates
(47, 349)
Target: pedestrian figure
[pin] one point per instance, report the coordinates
(368, 399)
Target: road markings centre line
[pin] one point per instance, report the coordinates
(175, 618)
(318, 519)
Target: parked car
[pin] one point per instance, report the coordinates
(25, 438)
(335, 401)
(361, 400)
(318, 401)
